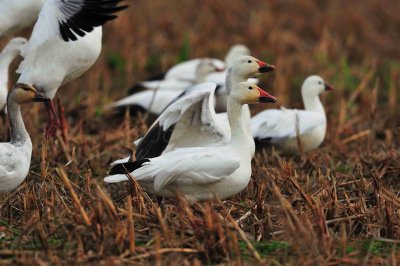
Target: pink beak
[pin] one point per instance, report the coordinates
(265, 97)
(264, 67)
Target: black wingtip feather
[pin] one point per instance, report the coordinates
(92, 14)
(124, 168)
(261, 143)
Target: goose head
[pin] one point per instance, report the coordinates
(235, 52)
(204, 68)
(248, 93)
(314, 86)
(14, 46)
(23, 93)
(248, 66)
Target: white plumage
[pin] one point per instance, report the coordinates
(18, 14)
(9, 53)
(15, 156)
(164, 91)
(202, 172)
(65, 43)
(200, 126)
(281, 127)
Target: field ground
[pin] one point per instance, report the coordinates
(338, 205)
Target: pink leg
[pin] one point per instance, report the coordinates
(54, 122)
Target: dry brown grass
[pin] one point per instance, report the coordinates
(336, 205)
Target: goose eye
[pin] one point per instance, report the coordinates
(249, 61)
(250, 88)
(319, 82)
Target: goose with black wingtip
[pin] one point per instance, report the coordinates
(65, 43)
(201, 173)
(191, 119)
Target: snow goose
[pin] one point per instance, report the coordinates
(191, 118)
(15, 156)
(201, 173)
(280, 127)
(18, 14)
(204, 67)
(65, 43)
(8, 54)
(155, 101)
(187, 70)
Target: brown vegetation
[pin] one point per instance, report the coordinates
(336, 205)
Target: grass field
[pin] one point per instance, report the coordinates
(338, 205)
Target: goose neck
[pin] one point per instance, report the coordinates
(313, 103)
(238, 128)
(17, 126)
(232, 77)
(5, 61)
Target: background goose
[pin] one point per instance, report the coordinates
(18, 14)
(9, 53)
(280, 127)
(50, 58)
(187, 70)
(202, 172)
(15, 156)
(193, 115)
(156, 100)
(203, 68)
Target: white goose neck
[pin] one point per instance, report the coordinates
(312, 103)
(238, 128)
(17, 126)
(232, 77)
(5, 61)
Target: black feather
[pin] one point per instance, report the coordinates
(93, 13)
(261, 143)
(154, 142)
(129, 167)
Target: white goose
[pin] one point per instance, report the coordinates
(9, 53)
(187, 70)
(280, 127)
(202, 172)
(190, 120)
(155, 101)
(15, 156)
(18, 14)
(182, 74)
(65, 43)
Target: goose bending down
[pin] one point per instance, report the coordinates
(186, 71)
(18, 14)
(201, 173)
(15, 156)
(156, 100)
(203, 68)
(190, 119)
(9, 53)
(65, 43)
(281, 127)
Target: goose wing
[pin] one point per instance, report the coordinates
(68, 19)
(190, 120)
(153, 101)
(186, 165)
(281, 124)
